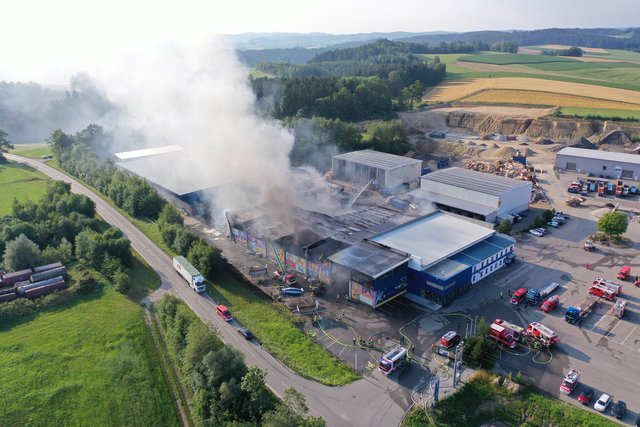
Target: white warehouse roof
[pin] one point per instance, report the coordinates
(377, 159)
(128, 155)
(434, 237)
(480, 182)
(601, 155)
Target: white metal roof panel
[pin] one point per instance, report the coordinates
(434, 237)
(443, 199)
(377, 159)
(128, 155)
(600, 155)
(480, 182)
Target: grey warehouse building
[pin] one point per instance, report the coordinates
(396, 173)
(475, 194)
(605, 163)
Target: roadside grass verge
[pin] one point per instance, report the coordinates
(88, 361)
(480, 401)
(143, 278)
(21, 182)
(33, 151)
(279, 332)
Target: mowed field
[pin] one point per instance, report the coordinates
(34, 151)
(20, 182)
(90, 362)
(602, 80)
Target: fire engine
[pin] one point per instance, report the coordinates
(502, 335)
(617, 288)
(393, 361)
(542, 334)
(516, 331)
(570, 381)
(602, 291)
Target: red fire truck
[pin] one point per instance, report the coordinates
(516, 331)
(393, 360)
(624, 273)
(502, 335)
(542, 334)
(602, 291)
(570, 381)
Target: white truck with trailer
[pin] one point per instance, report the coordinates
(189, 273)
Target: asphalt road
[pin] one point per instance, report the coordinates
(371, 401)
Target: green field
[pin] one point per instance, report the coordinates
(275, 327)
(479, 402)
(600, 113)
(90, 362)
(143, 278)
(511, 58)
(34, 151)
(21, 182)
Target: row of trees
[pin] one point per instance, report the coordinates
(76, 155)
(5, 145)
(572, 51)
(224, 390)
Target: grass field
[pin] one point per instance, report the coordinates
(143, 278)
(275, 327)
(90, 362)
(479, 402)
(511, 58)
(498, 96)
(21, 182)
(34, 151)
(600, 112)
(457, 89)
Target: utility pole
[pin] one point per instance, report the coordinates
(457, 363)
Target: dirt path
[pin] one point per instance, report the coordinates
(170, 371)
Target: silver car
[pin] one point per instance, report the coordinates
(602, 403)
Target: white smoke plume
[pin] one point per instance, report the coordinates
(198, 96)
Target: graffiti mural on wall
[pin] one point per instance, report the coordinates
(279, 253)
(297, 263)
(256, 245)
(361, 293)
(240, 237)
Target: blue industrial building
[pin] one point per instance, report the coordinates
(438, 258)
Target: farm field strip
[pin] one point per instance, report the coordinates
(20, 182)
(456, 89)
(546, 98)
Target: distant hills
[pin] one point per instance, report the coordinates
(298, 48)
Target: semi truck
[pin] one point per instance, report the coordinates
(189, 273)
(582, 310)
(502, 335)
(535, 296)
(393, 361)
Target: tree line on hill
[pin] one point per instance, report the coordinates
(223, 390)
(133, 194)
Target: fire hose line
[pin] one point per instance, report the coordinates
(458, 314)
(542, 363)
(517, 354)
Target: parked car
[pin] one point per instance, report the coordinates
(619, 409)
(245, 333)
(450, 339)
(559, 219)
(586, 396)
(602, 403)
(553, 224)
(536, 232)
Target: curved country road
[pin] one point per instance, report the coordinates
(366, 402)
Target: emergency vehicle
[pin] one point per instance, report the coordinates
(450, 339)
(616, 287)
(570, 381)
(602, 291)
(542, 334)
(618, 308)
(516, 331)
(502, 335)
(624, 273)
(518, 296)
(393, 361)
(550, 304)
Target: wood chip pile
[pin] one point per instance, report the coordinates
(504, 167)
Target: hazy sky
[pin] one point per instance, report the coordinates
(45, 37)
